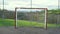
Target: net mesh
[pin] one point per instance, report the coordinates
(30, 17)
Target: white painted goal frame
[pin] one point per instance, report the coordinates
(46, 14)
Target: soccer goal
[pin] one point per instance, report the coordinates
(30, 17)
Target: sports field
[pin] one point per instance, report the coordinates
(11, 22)
(26, 27)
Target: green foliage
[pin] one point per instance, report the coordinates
(57, 11)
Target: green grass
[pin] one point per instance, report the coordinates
(24, 23)
(6, 22)
(29, 23)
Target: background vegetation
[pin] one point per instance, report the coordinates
(30, 18)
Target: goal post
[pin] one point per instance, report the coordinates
(45, 18)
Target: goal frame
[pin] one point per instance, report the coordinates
(46, 14)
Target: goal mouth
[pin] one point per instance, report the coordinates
(35, 12)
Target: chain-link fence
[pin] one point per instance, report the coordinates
(6, 18)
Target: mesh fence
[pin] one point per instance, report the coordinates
(7, 18)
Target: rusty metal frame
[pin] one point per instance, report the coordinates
(46, 14)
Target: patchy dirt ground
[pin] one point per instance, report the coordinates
(28, 30)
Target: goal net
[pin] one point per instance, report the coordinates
(30, 17)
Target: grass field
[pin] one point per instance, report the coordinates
(10, 22)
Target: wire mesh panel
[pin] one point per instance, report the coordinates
(58, 15)
(1, 18)
(54, 18)
(30, 17)
(7, 18)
